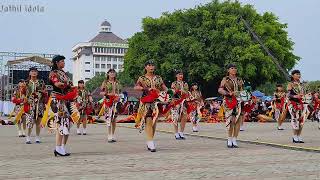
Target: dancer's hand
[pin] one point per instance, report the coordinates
(154, 89)
(231, 93)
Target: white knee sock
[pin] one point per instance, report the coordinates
(229, 141)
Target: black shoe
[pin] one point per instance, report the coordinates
(38, 142)
(56, 153)
(67, 154)
(294, 141)
(235, 146)
(182, 137)
(23, 135)
(280, 129)
(178, 138)
(153, 150)
(28, 142)
(113, 140)
(20, 136)
(110, 141)
(301, 142)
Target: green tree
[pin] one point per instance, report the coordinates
(97, 80)
(313, 86)
(125, 79)
(203, 40)
(268, 88)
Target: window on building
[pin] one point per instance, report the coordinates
(103, 58)
(87, 63)
(103, 66)
(97, 65)
(108, 66)
(120, 66)
(112, 50)
(109, 58)
(114, 66)
(87, 79)
(87, 70)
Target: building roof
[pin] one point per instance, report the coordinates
(107, 37)
(105, 23)
(36, 59)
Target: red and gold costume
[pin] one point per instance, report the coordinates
(180, 89)
(297, 106)
(279, 104)
(231, 105)
(110, 101)
(83, 101)
(194, 103)
(37, 97)
(19, 98)
(61, 103)
(148, 107)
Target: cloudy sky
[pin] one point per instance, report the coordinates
(66, 23)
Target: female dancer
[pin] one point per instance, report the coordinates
(19, 99)
(150, 84)
(82, 100)
(179, 111)
(62, 96)
(194, 104)
(279, 104)
(296, 93)
(110, 89)
(229, 87)
(37, 95)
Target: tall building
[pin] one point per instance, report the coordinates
(106, 50)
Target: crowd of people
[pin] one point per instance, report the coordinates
(68, 104)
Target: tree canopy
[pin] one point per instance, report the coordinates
(97, 80)
(203, 40)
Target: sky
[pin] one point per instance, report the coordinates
(63, 24)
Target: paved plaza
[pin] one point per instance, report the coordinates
(197, 157)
